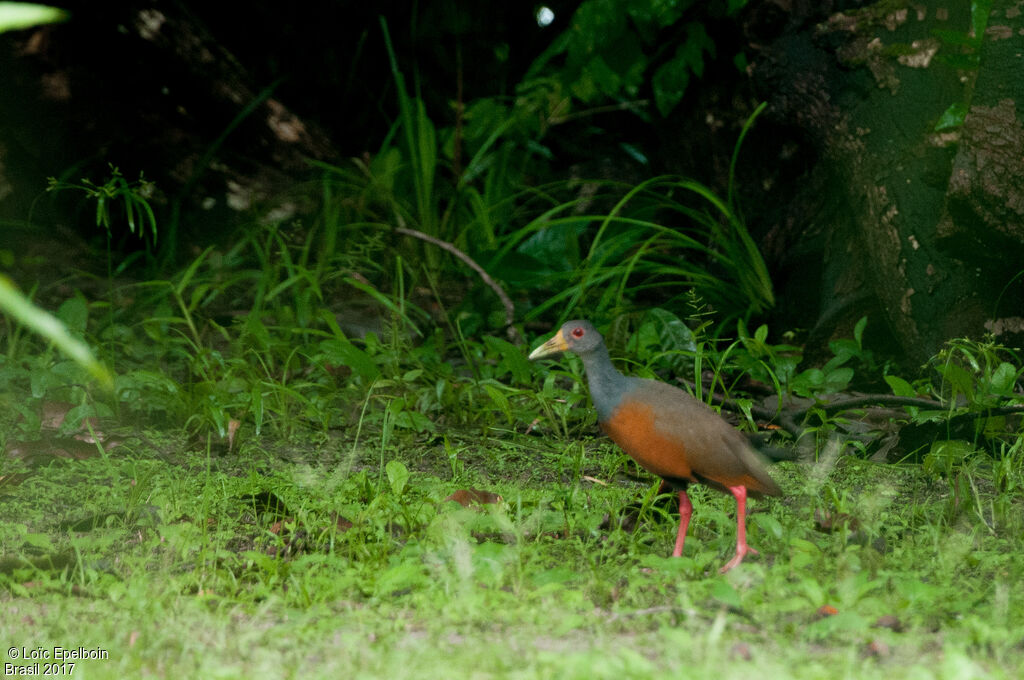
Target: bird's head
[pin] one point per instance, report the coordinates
(574, 336)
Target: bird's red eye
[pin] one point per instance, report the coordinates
(577, 332)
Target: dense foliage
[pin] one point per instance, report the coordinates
(285, 433)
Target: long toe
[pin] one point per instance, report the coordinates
(731, 563)
(741, 552)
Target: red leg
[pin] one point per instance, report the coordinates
(685, 510)
(742, 549)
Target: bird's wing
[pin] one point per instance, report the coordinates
(716, 453)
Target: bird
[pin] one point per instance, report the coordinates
(668, 432)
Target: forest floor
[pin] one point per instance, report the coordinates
(322, 557)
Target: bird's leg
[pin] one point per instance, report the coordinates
(742, 549)
(685, 510)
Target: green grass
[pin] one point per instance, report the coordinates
(170, 552)
(322, 546)
(186, 575)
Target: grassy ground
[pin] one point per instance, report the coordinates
(312, 561)
(307, 554)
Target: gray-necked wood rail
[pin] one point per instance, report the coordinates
(667, 432)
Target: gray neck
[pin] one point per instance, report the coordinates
(607, 385)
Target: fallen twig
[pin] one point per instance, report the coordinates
(510, 310)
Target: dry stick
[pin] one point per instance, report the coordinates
(896, 400)
(510, 309)
(611, 108)
(788, 419)
(849, 403)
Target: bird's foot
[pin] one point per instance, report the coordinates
(741, 551)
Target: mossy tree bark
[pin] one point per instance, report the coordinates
(916, 117)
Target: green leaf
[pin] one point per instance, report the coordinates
(844, 349)
(723, 591)
(946, 455)
(555, 576)
(512, 360)
(596, 25)
(414, 420)
(899, 386)
(807, 382)
(955, 38)
(403, 576)
(38, 541)
(74, 417)
(398, 476)
(74, 312)
(804, 553)
(255, 329)
(663, 334)
(21, 308)
(554, 248)
(959, 379)
(858, 331)
(980, 11)
(953, 117)
(605, 78)
(761, 334)
(15, 16)
(768, 524)
(740, 62)
(653, 15)
(343, 352)
(673, 332)
(499, 400)
(1003, 379)
(635, 153)
(669, 83)
(837, 380)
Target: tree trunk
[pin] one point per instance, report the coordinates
(930, 201)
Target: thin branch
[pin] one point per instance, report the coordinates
(510, 309)
(789, 419)
(895, 400)
(610, 108)
(869, 400)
